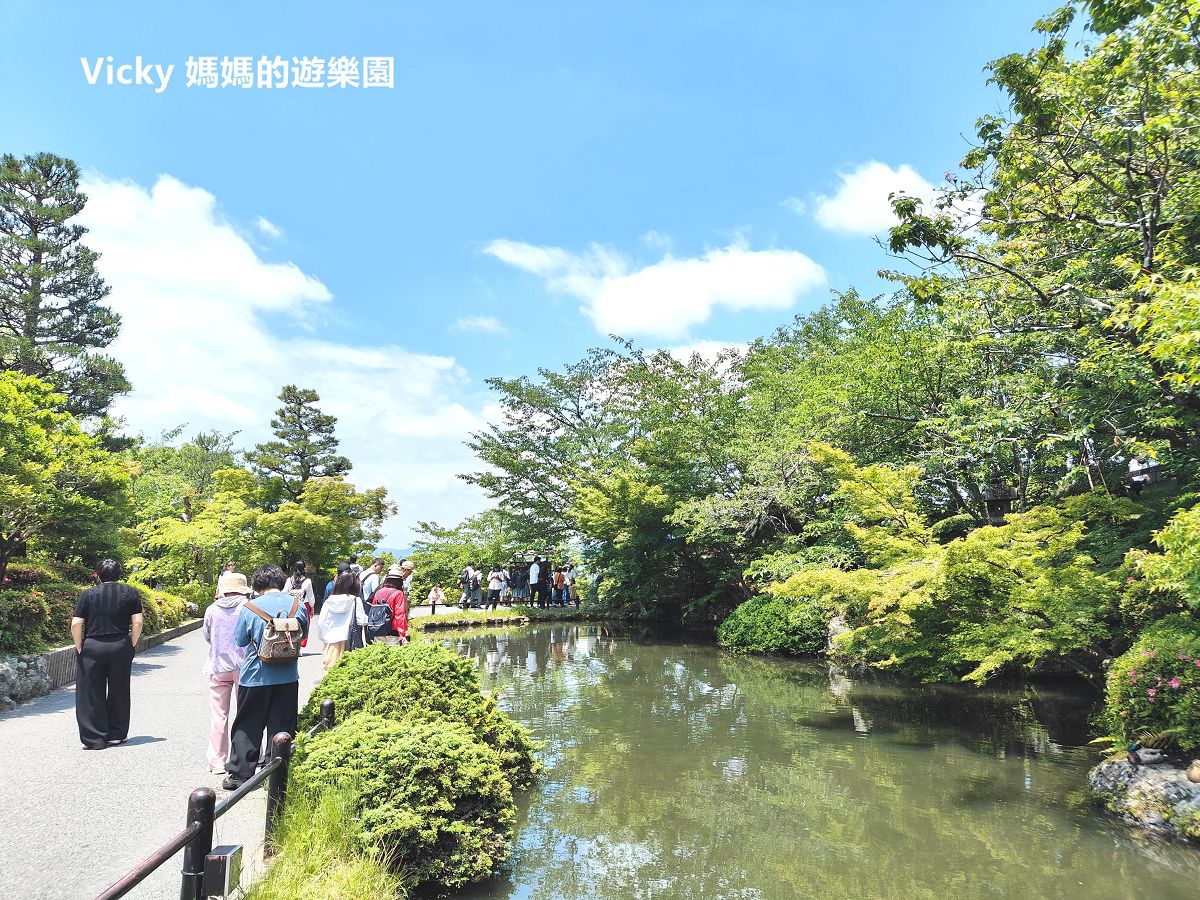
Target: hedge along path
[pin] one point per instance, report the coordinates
(74, 821)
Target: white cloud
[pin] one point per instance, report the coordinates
(794, 205)
(665, 299)
(861, 204)
(267, 227)
(192, 294)
(486, 324)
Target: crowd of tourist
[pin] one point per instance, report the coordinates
(537, 583)
(255, 629)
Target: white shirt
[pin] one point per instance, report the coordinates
(370, 583)
(495, 581)
(535, 573)
(308, 596)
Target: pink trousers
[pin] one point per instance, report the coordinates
(221, 687)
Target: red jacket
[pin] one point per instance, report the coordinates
(394, 597)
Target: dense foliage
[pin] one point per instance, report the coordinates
(1155, 685)
(57, 483)
(770, 623)
(945, 469)
(424, 680)
(428, 793)
(53, 319)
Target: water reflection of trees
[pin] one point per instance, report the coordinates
(673, 771)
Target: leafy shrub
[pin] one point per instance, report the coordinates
(23, 613)
(946, 530)
(160, 611)
(770, 623)
(60, 601)
(422, 679)
(1155, 685)
(427, 792)
(1141, 603)
(320, 852)
(193, 592)
(1014, 597)
(25, 573)
(1177, 568)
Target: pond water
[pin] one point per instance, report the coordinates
(676, 770)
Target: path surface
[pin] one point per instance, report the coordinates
(72, 821)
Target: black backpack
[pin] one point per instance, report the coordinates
(379, 619)
(475, 582)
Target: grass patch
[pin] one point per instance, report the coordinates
(320, 853)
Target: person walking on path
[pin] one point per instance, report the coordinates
(388, 612)
(372, 577)
(299, 585)
(268, 693)
(337, 618)
(495, 587)
(223, 663)
(105, 628)
(436, 596)
(342, 567)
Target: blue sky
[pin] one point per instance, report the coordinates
(540, 175)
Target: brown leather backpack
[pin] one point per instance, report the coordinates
(280, 641)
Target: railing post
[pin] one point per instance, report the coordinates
(328, 716)
(199, 811)
(281, 749)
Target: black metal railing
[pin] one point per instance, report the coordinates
(203, 811)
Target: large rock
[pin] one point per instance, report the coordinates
(22, 678)
(1158, 797)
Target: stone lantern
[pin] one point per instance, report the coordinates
(998, 500)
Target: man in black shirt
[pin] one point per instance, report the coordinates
(104, 616)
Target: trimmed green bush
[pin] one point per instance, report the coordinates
(774, 624)
(946, 530)
(24, 573)
(160, 611)
(23, 613)
(423, 679)
(1155, 685)
(428, 793)
(60, 600)
(194, 592)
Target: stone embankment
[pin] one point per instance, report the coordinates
(1158, 797)
(23, 678)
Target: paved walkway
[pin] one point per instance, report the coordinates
(72, 822)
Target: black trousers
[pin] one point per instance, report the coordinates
(536, 596)
(272, 709)
(102, 690)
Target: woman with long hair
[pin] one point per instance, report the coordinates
(299, 585)
(338, 617)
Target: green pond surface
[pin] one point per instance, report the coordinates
(676, 770)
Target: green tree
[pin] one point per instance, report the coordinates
(492, 537)
(56, 483)
(53, 317)
(305, 446)
(172, 479)
(1089, 209)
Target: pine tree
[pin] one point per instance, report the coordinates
(52, 312)
(306, 446)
